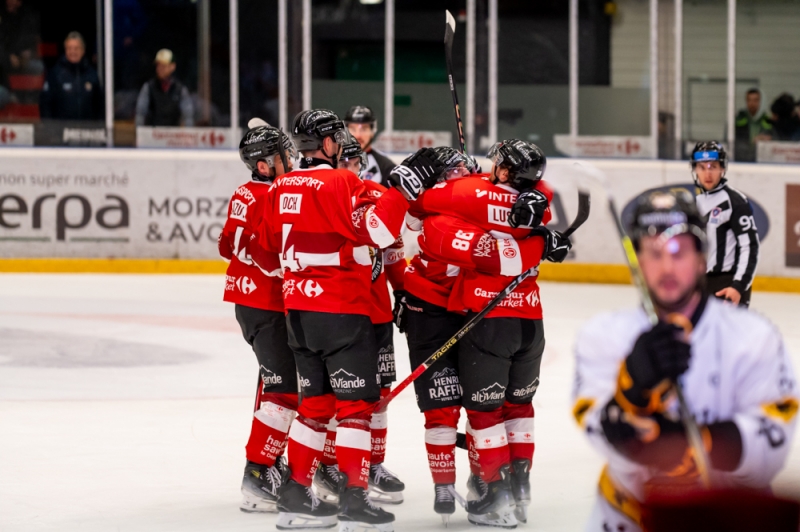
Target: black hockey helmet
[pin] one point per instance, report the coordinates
(261, 144)
(451, 158)
(525, 161)
(707, 151)
(668, 213)
(361, 114)
(311, 127)
(351, 149)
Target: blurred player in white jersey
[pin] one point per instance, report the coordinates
(735, 372)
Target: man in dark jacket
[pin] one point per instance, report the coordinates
(752, 126)
(164, 101)
(72, 90)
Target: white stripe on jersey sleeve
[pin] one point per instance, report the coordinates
(377, 230)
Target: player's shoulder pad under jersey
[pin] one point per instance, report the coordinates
(373, 188)
(748, 327)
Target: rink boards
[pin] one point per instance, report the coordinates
(161, 210)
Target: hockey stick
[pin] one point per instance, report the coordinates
(692, 430)
(449, 34)
(584, 204)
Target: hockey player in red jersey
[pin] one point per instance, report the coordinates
(268, 153)
(323, 227)
(499, 360)
(421, 312)
(388, 263)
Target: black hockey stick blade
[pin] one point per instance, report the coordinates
(584, 206)
(449, 35)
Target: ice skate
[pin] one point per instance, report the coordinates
(299, 507)
(445, 503)
(476, 487)
(358, 514)
(260, 488)
(521, 488)
(384, 486)
(495, 507)
(327, 481)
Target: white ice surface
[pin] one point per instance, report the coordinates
(92, 440)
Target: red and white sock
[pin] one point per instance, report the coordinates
(329, 451)
(519, 428)
(440, 443)
(472, 452)
(491, 442)
(353, 450)
(377, 428)
(306, 441)
(270, 428)
(378, 425)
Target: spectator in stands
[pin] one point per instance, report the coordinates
(164, 101)
(785, 121)
(19, 39)
(72, 90)
(751, 126)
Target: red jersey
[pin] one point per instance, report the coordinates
(245, 283)
(477, 200)
(393, 264)
(322, 223)
(487, 265)
(486, 206)
(426, 278)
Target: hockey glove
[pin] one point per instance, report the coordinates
(659, 357)
(556, 245)
(399, 311)
(653, 440)
(416, 173)
(528, 210)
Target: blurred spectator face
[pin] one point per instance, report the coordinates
(74, 50)
(753, 103)
(13, 5)
(164, 70)
(709, 174)
(362, 132)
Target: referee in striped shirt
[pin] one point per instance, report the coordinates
(730, 226)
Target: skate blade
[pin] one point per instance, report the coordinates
(292, 521)
(253, 504)
(354, 526)
(445, 519)
(384, 497)
(498, 520)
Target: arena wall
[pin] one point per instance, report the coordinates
(161, 211)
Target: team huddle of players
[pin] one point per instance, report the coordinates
(313, 252)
